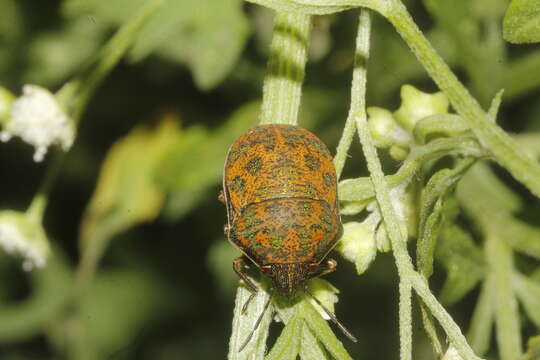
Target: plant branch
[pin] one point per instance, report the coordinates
(505, 150)
(37, 207)
(361, 189)
(358, 89)
(322, 7)
(403, 260)
(282, 89)
(405, 320)
(501, 266)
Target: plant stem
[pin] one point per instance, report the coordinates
(282, 89)
(74, 95)
(107, 58)
(504, 148)
(358, 89)
(405, 320)
(501, 265)
(403, 260)
(479, 333)
(36, 210)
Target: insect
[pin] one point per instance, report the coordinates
(280, 191)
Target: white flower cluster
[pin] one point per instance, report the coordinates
(38, 119)
(20, 236)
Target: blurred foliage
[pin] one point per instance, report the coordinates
(159, 130)
(522, 22)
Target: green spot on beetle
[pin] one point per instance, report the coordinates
(312, 162)
(253, 166)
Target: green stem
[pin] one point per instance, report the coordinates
(479, 333)
(405, 320)
(36, 210)
(75, 94)
(84, 86)
(504, 148)
(361, 189)
(321, 7)
(501, 266)
(282, 89)
(403, 260)
(358, 89)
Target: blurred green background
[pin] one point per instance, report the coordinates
(145, 170)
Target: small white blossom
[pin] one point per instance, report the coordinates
(452, 354)
(38, 119)
(21, 236)
(326, 293)
(416, 105)
(384, 128)
(358, 244)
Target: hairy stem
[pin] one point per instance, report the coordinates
(500, 144)
(282, 89)
(405, 320)
(358, 89)
(403, 260)
(501, 266)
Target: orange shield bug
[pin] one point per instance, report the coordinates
(280, 190)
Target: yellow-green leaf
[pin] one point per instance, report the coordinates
(522, 21)
(126, 193)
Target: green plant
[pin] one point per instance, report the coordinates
(444, 206)
(468, 137)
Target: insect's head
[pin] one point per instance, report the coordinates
(288, 279)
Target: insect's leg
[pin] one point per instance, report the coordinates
(221, 196)
(327, 267)
(238, 266)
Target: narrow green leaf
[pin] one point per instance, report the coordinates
(479, 334)
(507, 322)
(323, 332)
(464, 263)
(528, 292)
(431, 212)
(287, 345)
(311, 348)
(522, 22)
(431, 330)
(243, 325)
(439, 125)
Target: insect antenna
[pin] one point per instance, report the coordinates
(257, 323)
(333, 317)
